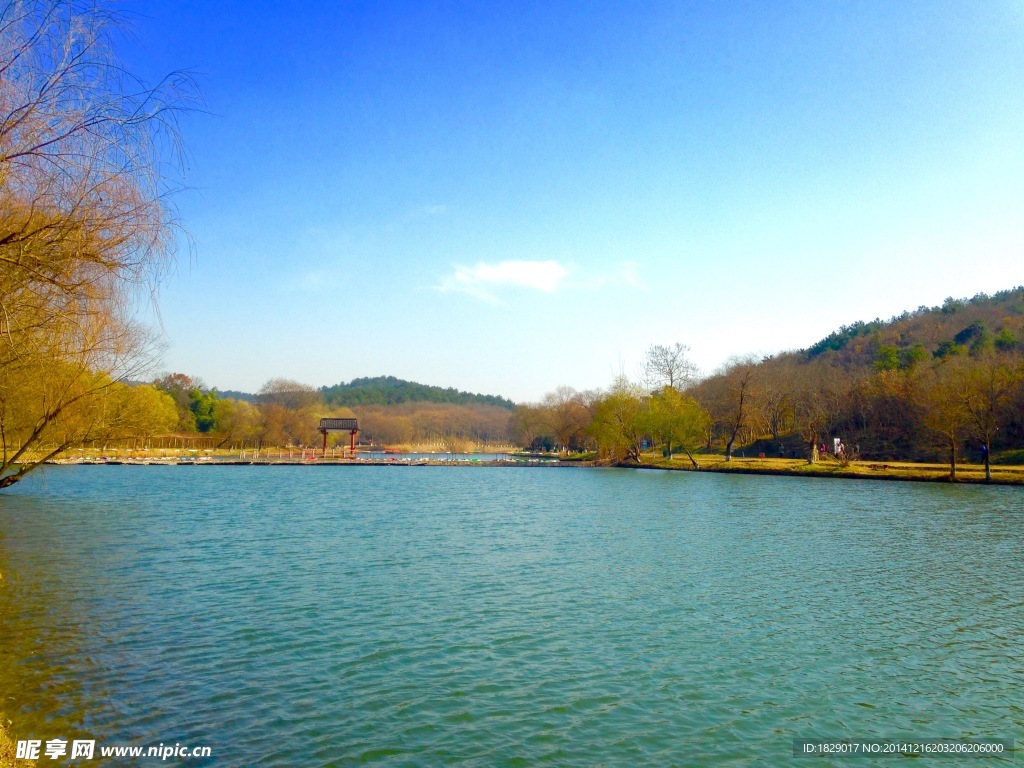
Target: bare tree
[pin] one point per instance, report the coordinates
(741, 379)
(986, 390)
(568, 416)
(817, 403)
(527, 423)
(289, 394)
(945, 413)
(290, 412)
(667, 366)
(85, 221)
(729, 397)
(776, 379)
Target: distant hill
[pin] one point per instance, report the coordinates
(388, 390)
(249, 397)
(957, 325)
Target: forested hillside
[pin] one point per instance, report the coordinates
(936, 383)
(388, 390)
(939, 383)
(959, 325)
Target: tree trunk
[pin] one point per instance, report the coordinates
(728, 448)
(812, 445)
(692, 460)
(952, 461)
(988, 462)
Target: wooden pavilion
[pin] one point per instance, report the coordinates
(340, 425)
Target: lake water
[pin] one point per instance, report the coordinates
(308, 616)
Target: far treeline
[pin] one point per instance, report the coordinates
(286, 413)
(938, 383)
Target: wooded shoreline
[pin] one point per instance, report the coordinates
(897, 471)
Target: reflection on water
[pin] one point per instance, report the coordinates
(287, 617)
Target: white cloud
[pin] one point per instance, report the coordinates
(624, 275)
(482, 280)
(486, 281)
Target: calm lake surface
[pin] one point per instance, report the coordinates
(308, 616)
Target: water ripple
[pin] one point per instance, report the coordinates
(289, 617)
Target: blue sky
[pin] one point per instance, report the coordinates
(509, 197)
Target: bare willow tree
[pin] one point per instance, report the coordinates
(620, 422)
(86, 223)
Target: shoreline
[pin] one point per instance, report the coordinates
(898, 471)
(298, 462)
(838, 475)
(967, 474)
